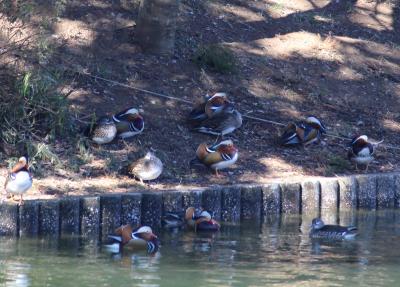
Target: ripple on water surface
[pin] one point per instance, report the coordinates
(276, 253)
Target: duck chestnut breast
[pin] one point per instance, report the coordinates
(321, 230)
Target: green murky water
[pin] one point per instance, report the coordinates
(278, 253)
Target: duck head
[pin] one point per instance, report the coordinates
(227, 147)
(104, 121)
(359, 140)
(317, 223)
(145, 233)
(22, 164)
(316, 123)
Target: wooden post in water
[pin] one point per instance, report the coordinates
(156, 26)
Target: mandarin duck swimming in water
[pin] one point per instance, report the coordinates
(303, 133)
(172, 220)
(104, 131)
(127, 238)
(221, 124)
(128, 122)
(217, 156)
(148, 167)
(322, 231)
(201, 222)
(207, 107)
(361, 151)
(19, 180)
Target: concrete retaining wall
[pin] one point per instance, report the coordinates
(96, 216)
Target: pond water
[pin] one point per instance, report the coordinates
(277, 253)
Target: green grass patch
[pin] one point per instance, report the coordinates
(216, 58)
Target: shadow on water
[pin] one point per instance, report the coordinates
(277, 251)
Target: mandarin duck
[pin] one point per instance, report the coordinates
(201, 222)
(148, 167)
(104, 131)
(207, 107)
(19, 180)
(217, 156)
(223, 123)
(361, 151)
(322, 231)
(128, 122)
(172, 220)
(127, 238)
(303, 133)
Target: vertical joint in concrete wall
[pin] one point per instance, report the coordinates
(211, 201)
(70, 215)
(29, 218)
(90, 217)
(251, 202)
(330, 200)
(385, 189)
(311, 198)
(291, 198)
(151, 209)
(192, 198)
(110, 214)
(348, 193)
(272, 200)
(366, 190)
(230, 204)
(49, 217)
(397, 191)
(131, 209)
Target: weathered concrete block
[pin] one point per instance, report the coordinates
(366, 191)
(251, 202)
(9, 219)
(69, 215)
(151, 210)
(29, 218)
(230, 204)
(385, 190)
(310, 198)
(271, 197)
(110, 210)
(329, 194)
(347, 193)
(211, 201)
(397, 191)
(291, 198)
(49, 217)
(192, 198)
(90, 216)
(131, 209)
(172, 202)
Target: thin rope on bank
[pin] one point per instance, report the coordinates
(189, 102)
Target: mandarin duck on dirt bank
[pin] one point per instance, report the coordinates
(104, 131)
(361, 151)
(128, 122)
(322, 231)
(217, 156)
(303, 133)
(202, 221)
(221, 124)
(19, 180)
(207, 107)
(148, 167)
(126, 238)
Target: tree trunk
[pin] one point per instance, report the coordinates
(156, 25)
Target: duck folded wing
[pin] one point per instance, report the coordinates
(213, 158)
(125, 233)
(292, 135)
(310, 135)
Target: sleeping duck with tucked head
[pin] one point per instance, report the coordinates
(201, 222)
(139, 239)
(323, 231)
(19, 180)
